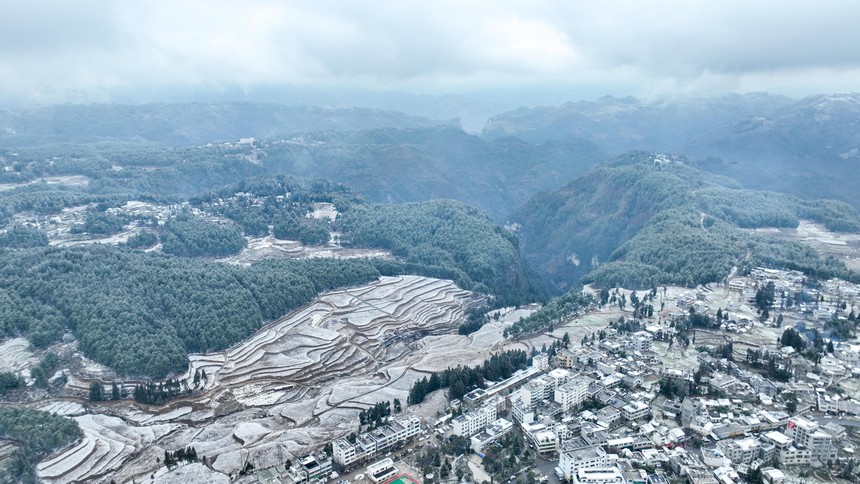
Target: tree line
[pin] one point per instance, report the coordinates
(556, 311)
(191, 236)
(462, 379)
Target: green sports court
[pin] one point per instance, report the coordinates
(403, 479)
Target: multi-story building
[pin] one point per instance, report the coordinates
(558, 376)
(381, 471)
(571, 460)
(573, 393)
(310, 468)
(565, 358)
(785, 451)
(542, 438)
(600, 475)
(540, 389)
(376, 441)
(490, 434)
(741, 451)
(807, 434)
(541, 361)
(520, 411)
(472, 422)
(635, 410)
(641, 341)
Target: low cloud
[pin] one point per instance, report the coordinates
(54, 51)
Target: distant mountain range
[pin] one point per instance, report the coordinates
(808, 147)
(186, 123)
(405, 165)
(542, 169)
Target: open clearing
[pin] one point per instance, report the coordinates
(842, 245)
(71, 180)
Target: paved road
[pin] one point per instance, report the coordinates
(547, 468)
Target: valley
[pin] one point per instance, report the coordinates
(186, 290)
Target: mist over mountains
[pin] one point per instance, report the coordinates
(806, 147)
(558, 174)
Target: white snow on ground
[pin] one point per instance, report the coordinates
(297, 382)
(249, 432)
(14, 353)
(189, 473)
(164, 417)
(66, 409)
(108, 442)
(228, 462)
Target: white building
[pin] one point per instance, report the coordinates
(489, 435)
(786, 452)
(570, 461)
(807, 434)
(472, 422)
(544, 439)
(635, 410)
(741, 451)
(603, 475)
(310, 468)
(522, 413)
(641, 341)
(541, 361)
(573, 393)
(381, 471)
(558, 376)
(371, 443)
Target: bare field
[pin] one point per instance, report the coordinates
(70, 180)
(298, 382)
(842, 245)
(272, 248)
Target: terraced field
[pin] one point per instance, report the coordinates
(298, 382)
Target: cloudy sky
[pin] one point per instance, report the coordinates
(62, 51)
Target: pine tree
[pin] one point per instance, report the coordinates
(96, 392)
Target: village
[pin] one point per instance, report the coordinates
(749, 380)
(641, 402)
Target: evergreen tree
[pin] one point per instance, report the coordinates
(96, 392)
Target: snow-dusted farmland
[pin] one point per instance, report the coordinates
(289, 388)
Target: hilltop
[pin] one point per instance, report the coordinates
(806, 147)
(643, 219)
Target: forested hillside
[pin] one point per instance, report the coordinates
(440, 161)
(441, 237)
(806, 147)
(646, 219)
(35, 434)
(446, 234)
(184, 123)
(142, 313)
(410, 165)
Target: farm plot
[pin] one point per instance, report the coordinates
(298, 382)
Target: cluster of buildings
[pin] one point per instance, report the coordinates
(832, 299)
(599, 409)
(376, 442)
